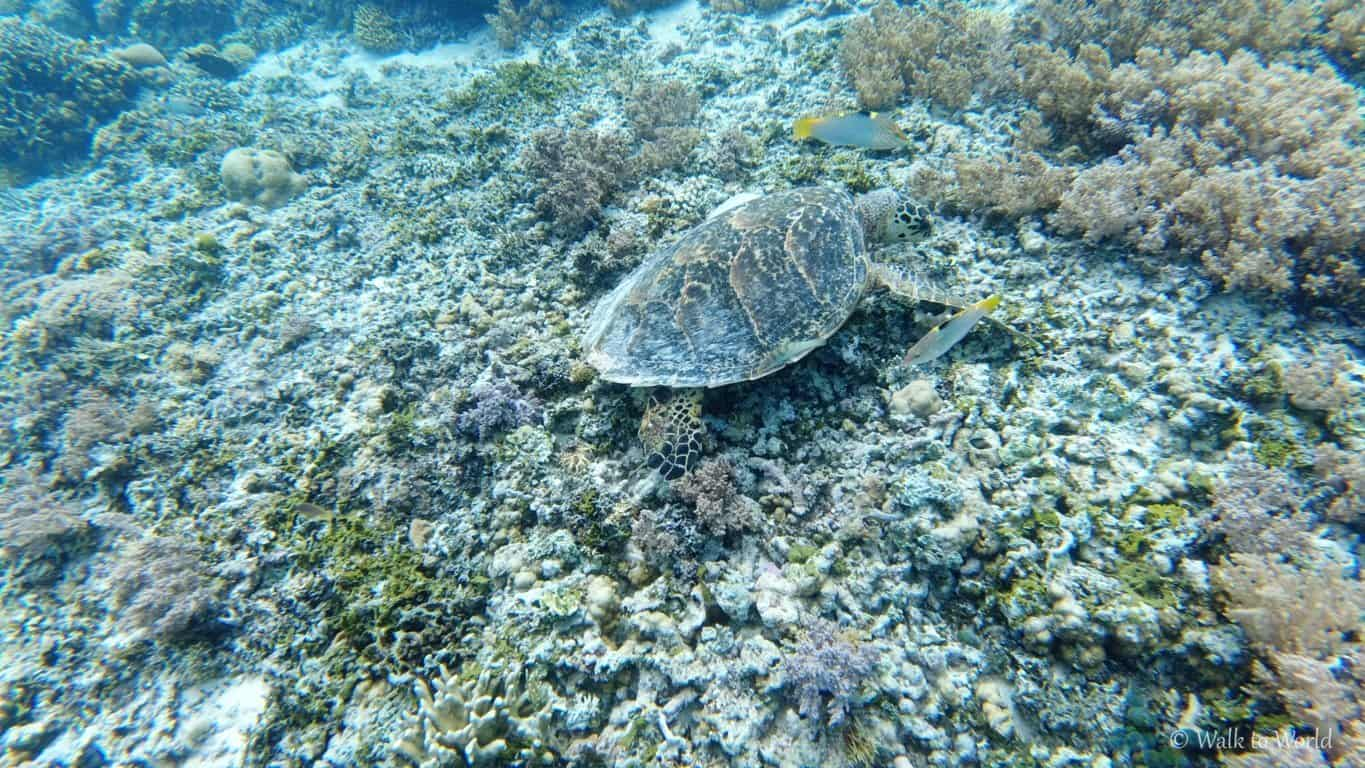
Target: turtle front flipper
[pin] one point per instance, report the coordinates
(671, 430)
(909, 287)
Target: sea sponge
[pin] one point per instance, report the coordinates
(260, 176)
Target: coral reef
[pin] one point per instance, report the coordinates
(328, 482)
(943, 51)
(54, 93)
(577, 171)
(175, 24)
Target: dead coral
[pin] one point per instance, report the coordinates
(577, 171)
(946, 51)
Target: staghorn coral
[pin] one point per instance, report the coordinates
(944, 50)
(577, 171)
(54, 93)
(826, 671)
(375, 30)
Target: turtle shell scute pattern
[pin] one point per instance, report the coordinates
(736, 297)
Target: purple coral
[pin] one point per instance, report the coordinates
(497, 407)
(828, 666)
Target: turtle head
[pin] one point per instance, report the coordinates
(889, 216)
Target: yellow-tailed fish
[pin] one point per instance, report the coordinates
(869, 130)
(950, 332)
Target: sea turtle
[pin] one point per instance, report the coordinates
(756, 286)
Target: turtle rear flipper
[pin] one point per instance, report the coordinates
(671, 430)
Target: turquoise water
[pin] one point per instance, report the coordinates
(734, 382)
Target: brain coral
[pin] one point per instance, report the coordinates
(259, 176)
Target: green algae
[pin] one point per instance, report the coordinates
(1144, 581)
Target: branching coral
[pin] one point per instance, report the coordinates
(662, 114)
(1257, 510)
(36, 526)
(496, 408)
(512, 22)
(54, 93)
(494, 719)
(1344, 472)
(1123, 27)
(1320, 383)
(374, 29)
(1245, 165)
(1303, 622)
(170, 24)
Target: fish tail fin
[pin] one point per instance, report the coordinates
(803, 127)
